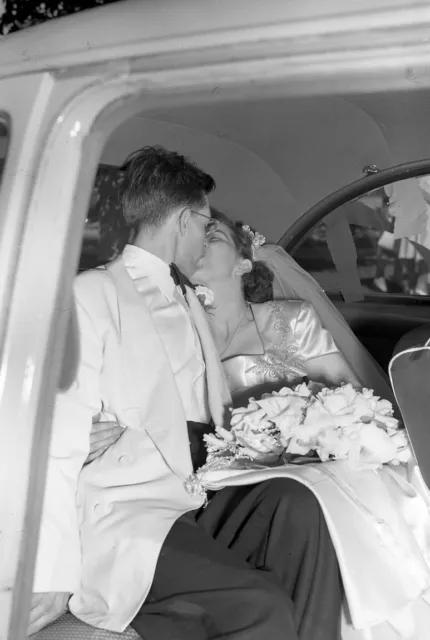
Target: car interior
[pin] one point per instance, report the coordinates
(378, 282)
(338, 177)
(274, 160)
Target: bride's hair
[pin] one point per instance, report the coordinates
(258, 283)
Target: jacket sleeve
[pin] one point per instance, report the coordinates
(58, 556)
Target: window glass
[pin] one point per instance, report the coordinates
(383, 263)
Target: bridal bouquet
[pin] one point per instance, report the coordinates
(307, 425)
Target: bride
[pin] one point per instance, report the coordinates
(263, 344)
(266, 316)
(267, 338)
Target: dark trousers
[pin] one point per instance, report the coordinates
(256, 564)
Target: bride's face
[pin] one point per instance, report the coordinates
(220, 260)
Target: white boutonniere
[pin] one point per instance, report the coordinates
(205, 296)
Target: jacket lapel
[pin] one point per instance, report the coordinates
(218, 393)
(151, 402)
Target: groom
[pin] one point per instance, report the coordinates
(140, 548)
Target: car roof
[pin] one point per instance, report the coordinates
(322, 143)
(134, 28)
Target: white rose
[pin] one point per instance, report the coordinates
(298, 446)
(376, 446)
(317, 424)
(205, 295)
(348, 406)
(377, 409)
(285, 411)
(319, 418)
(334, 442)
(340, 402)
(302, 389)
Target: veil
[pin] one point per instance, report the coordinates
(293, 282)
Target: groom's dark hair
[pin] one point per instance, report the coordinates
(155, 181)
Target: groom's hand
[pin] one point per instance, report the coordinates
(103, 435)
(45, 608)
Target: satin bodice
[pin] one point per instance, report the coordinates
(290, 333)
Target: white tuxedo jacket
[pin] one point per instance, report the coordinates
(103, 525)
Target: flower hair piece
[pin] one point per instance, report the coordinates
(257, 240)
(205, 296)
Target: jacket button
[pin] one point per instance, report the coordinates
(124, 460)
(97, 507)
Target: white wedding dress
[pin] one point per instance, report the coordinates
(380, 527)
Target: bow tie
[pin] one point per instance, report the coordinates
(179, 279)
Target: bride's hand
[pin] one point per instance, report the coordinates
(103, 435)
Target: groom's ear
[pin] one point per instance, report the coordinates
(183, 221)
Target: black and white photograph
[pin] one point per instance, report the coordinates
(215, 320)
